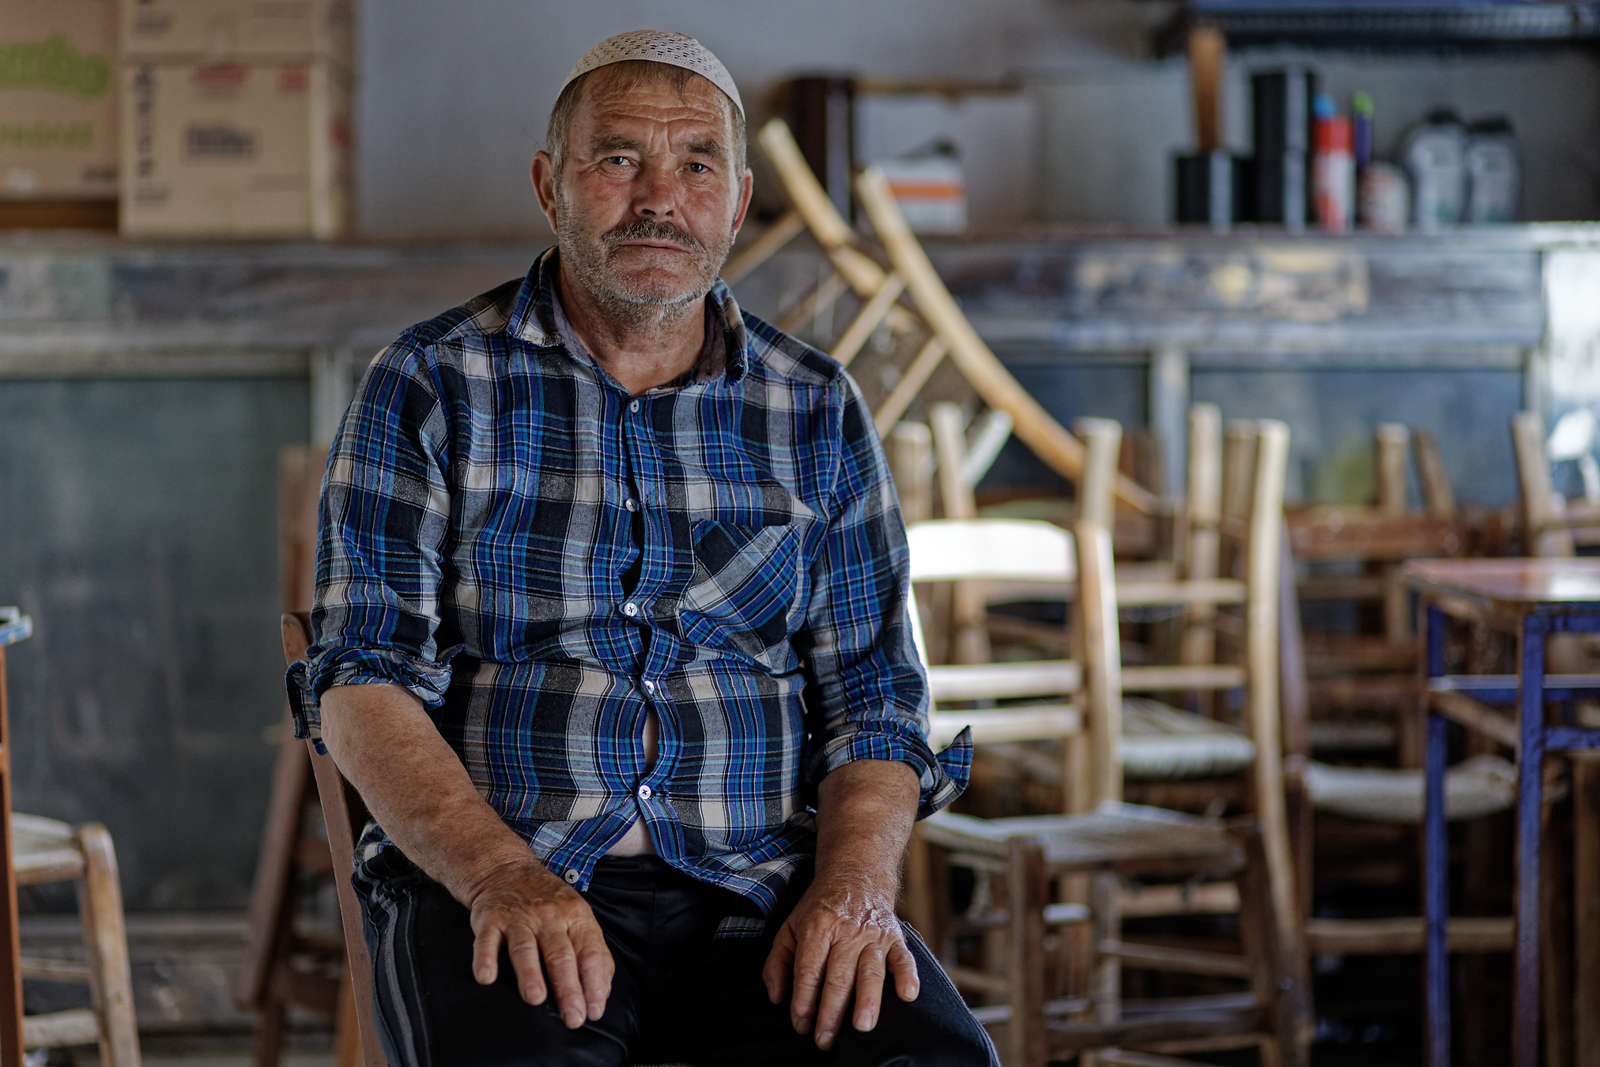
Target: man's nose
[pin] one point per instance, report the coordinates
(656, 195)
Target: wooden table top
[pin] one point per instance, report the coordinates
(1510, 583)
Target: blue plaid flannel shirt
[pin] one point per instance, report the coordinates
(543, 559)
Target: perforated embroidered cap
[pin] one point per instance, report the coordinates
(659, 46)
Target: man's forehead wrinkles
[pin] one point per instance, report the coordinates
(696, 131)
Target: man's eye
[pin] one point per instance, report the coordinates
(618, 161)
(699, 168)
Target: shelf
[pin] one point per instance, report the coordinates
(1412, 23)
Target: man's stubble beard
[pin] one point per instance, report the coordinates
(619, 298)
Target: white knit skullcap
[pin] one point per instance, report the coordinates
(659, 46)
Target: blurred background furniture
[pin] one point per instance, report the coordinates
(1050, 884)
(39, 851)
(1532, 599)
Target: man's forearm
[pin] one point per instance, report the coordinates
(865, 811)
(415, 785)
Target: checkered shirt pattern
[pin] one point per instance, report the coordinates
(543, 559)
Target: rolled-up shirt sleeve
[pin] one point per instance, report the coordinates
(382, 524)
(868, 697)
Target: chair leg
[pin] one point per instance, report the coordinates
(916, 892)
(346, 1030)
(1275, 968)
(1028, 892)
(1106, 975)
(105, 934)
(269, 1032)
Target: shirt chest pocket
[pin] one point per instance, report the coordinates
(746, 590)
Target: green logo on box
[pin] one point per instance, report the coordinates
(46, 135)
(54, 64)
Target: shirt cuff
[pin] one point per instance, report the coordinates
(940, 778)
(308, 680)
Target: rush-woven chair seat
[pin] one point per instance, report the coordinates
(1127, 838)
(1164, 743)
(1473, 788)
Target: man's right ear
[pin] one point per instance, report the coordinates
(544, 185)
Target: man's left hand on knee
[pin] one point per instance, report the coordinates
(842, 938)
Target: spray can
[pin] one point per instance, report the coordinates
(1333, 170)
(1361, 122)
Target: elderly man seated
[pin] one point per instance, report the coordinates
(611, 635)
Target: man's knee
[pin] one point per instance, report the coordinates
(919, 1039)
(956, 1046)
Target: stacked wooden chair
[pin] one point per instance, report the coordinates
(308, 840)
(1226, 495)
(897, 289)
(1052, 885)
(40, 851)
(1352, 676)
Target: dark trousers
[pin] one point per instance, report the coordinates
(679, 995)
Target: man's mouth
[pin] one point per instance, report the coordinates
(663, 246)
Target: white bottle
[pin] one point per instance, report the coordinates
(1435, 155)
(1493, 172)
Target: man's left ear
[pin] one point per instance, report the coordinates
(746, 187)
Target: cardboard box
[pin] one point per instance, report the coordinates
(58, 99)
(931, 190)
(236, 149)
(995, 136)
(237, 29)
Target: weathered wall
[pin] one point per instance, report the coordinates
(138, 527)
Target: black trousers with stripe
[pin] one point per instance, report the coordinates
(679, 995)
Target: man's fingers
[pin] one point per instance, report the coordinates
(595, 968)
(523, 948)
(811, 956)
(836, 986)
(561, 968)
(870, 971)
(486, 955)
(775, 972)
(907, 983)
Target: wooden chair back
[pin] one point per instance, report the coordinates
(1551, 526)
(938, 310)
(882, 290)
(1254, 461)
(345, 814)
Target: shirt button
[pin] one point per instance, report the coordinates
(571, 877)
(644, 792)
(631, 504)
(630, 609)
(649, 686)
(634, 407)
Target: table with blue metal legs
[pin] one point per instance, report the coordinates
(1531, 599)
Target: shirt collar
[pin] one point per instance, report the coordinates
(536, 318)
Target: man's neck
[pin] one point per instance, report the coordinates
(641, 351)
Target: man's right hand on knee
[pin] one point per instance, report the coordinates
(549, 932)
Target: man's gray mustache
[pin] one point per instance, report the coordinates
(652, 231)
